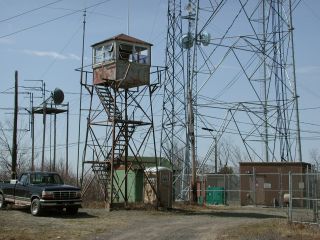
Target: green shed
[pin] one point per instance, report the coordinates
(135, 185)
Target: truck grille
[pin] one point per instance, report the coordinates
(65, 195)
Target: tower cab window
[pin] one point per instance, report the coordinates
(104, 53)
(125, 52)
(136, 54)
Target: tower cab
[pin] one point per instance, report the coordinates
(121, 61)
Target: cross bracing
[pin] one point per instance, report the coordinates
(246, 72)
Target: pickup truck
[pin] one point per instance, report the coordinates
(39, 191)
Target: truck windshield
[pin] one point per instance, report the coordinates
(45, 178)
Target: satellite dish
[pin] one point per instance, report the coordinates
(186, 41)
(57, 96)
(205, 38)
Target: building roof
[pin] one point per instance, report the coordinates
(123, 37)
(149, 162)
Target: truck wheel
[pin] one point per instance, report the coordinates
(36, 207)
(72, 210)
(2, 202)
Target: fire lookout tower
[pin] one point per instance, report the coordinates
(120, 128)
(122, 61)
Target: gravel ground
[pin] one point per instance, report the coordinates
(180, 223)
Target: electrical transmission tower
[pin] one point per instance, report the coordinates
(235, 62)
(174, 137)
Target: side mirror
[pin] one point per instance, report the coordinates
(14, 181)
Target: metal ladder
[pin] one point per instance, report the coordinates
(107, 101)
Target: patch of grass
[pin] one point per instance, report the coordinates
(275, 229)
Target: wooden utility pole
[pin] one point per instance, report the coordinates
(15, 126)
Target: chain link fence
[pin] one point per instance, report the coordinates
(304, 197)
(298, 194)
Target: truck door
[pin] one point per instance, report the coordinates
(22, 197)
(9, 191)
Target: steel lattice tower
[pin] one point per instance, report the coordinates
(242, 81)
(174, 140)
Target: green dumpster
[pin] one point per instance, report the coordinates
(215, 195)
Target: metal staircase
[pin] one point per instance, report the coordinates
(102, 172)
(107, 101)
(124, 131)
(120, 141)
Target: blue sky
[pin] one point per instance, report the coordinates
(52, 51)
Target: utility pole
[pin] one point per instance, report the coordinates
(54, 141)
(215, 155)
(15, 126)
(32, 134)
(81, 85)
(44, 134)
(67, 143)
(215, 148)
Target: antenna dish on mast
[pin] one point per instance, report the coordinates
(57, 96)
(186, 41)
(205, 38)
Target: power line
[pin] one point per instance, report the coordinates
(90, 12)
(29, 11)
(314, 13)
(52, 20)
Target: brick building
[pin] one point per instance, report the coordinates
(263, 183)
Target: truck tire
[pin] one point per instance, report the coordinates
(36, 207)
(2, 201)
(72, 210)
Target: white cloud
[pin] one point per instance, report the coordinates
(74, 57)
(52, 54)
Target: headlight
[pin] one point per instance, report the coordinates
(47, 195)
(78, 194)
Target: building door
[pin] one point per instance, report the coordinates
(260, 194)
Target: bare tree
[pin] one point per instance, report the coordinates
(23, 151)
(177, 156)
(229, 155)
(315, 157)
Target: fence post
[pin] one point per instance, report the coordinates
(307, 179)
(290, 198)
(240, 187)
(229, 189)
(254, 185)
(225, 189)
(315, 197)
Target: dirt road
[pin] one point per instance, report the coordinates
(199, 223)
